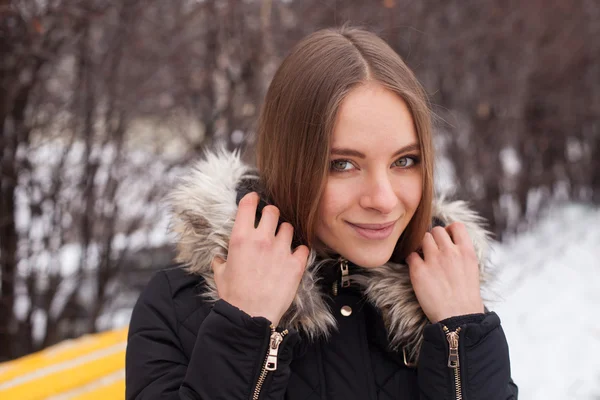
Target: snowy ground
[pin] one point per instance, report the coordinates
(547, 293)
(548, 297)
(549, 289)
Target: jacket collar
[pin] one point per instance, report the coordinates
(204, 204)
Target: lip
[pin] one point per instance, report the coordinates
(374, 231)
(374, 226)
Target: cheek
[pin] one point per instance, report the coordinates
(327, 206)
(411, 192)
(333, 203)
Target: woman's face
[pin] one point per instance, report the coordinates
(375, 181)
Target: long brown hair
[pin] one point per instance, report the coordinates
(298, 116)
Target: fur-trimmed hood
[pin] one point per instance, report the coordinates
(203, 207)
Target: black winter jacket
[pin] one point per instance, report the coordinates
(355, 335)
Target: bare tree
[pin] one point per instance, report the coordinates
(513, 86)
(102, 103)
(30, 40)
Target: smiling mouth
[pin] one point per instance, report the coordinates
(374, 231)
(374, 227)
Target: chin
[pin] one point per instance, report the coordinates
(369, 258)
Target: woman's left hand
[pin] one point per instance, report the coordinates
(446, 278)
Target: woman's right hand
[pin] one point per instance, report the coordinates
(262, 273)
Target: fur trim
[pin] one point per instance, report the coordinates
(389, 287)
(203, 207)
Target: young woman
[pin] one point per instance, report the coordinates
(331, 272)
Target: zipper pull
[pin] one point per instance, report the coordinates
(344, 280)
(452, 337)
(276, 339)
(345, 273)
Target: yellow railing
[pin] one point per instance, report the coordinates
(90, 367)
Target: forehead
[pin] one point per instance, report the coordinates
(373, 118)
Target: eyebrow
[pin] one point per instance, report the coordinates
(341, 151)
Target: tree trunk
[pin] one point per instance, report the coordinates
(12, 130)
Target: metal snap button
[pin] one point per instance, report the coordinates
(346, 311)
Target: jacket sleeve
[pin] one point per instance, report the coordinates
(483, 360)
(226, 361)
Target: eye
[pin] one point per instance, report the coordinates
(406, 162)
(341, 165)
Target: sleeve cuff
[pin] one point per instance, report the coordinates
(453, 323)
(241, 319)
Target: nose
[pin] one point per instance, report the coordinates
(379, 194)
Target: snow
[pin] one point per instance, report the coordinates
(549, 289)
(547, 293)
(48, 247)
(510, 161)
(114, 320)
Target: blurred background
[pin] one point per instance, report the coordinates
(103, 103)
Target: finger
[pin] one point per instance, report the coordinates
(414, 260)
(301, 253)
(416, 267)
(246, 214)
(441, 237)
(429, 246)
(268, 220)
(459, 234)
(285, 234)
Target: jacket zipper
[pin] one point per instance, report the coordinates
(453, 359)
(270, 363)
(345, 280)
